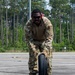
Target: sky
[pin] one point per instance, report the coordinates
(48, 7)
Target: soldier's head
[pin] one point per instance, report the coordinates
(36, 16)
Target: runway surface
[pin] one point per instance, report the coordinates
(17, 63)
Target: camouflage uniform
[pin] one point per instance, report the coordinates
(39, 39)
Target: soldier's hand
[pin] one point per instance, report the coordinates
(35, 53)
(45, 53)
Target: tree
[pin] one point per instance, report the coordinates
(1, 21)
(72, 18)
(59, 14)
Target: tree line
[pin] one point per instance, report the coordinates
(14, 15)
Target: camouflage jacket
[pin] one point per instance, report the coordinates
(43, 32)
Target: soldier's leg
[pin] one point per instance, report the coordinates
(48, 51)
(32, 63)
(33, 60)
(49, 60)
(50, 66)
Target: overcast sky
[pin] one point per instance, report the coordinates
(48, 7)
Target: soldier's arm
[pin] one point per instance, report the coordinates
(49, 31)
(28, 36)
(27, 30)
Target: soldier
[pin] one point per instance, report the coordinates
(39, 37)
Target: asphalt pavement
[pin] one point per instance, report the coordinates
(64, 63)
(17, 63)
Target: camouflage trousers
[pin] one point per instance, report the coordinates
(36, 47)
